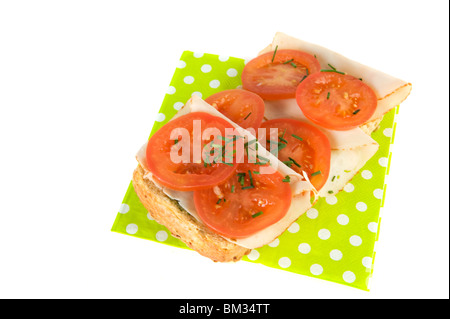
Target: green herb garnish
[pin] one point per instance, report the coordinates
(328, 96)
(330, 192)
(316, 173)
(274, 53)
(248, 187)
(336, 71)
(297, 137)
(288, 61)
(356, 112)
(334, 177)
(288, 163)
(257, 214)
(218, 202)
(293, 64)
(286, 179)
(295, 163)
(331, 66)
(232, 188)
(247, 116)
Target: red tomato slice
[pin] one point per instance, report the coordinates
(244, 108)
(194, 173)
(234, 209)
(302, 147)
(276, 75)
(336, 101)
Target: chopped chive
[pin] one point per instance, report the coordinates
(330, 192)
(295, 163)
(241, 174)
(248, 187)
(241, 180)
(293, 64)
(262, 158)
(218, 202)
(356, 112)
(316, 173)
(274, 52)
(251, 177)
(283, 140)
(284, 132)
(176, 141)
(247, 116)
(360, 79)
(297, 137)
(288, 61)
(288, 163)
(336, 71)
(281, 146)
(286, 179)
(315, 56)
(331, 66)
(232, 188)
(257, 214)
(255, 172)
(229, 164)
(303, 78)
(346, 171)
(307, 72)
(334, 177)
(328, 96)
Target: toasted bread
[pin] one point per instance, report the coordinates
(182, 225)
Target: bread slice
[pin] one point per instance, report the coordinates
(181, 224)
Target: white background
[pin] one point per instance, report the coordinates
(81, 83)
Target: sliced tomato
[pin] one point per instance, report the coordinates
(276, 75)
(244, 108)
(244, 204)
(301, 146)
(336, 101)
(193, 172)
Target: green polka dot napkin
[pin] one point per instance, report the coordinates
(334, 240)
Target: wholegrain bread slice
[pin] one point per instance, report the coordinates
(182, 225)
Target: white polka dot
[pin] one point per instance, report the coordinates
(324, 234)
(206, 68)
(367, 262)
(304, 248)
(232, 72)
(349, 277)
(349, 188)
(223, 58)
(275, 243)
(387, 132)
(336, 254)
(188, 79)
(284, 262)
(161, 235)
(342, 219)
(132, 229)
(199, 94)
(181, 64)
(312, 213)
(366, 174)
(198, 54)
(149, 216)
(171, 90)
(378, 193)
(294, 228)
(160, 117)
(254, 254)
(124, 208)
(383, 161)
(355, 240)
(178, 105)
(361, 206)
(331, 200)
(373, 227)
(214, 84)
(316, 269)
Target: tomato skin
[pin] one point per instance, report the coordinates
(233, 217)
(187, 176)
(312, 153)
(278, 80)
(336, 101)
(244, 108)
